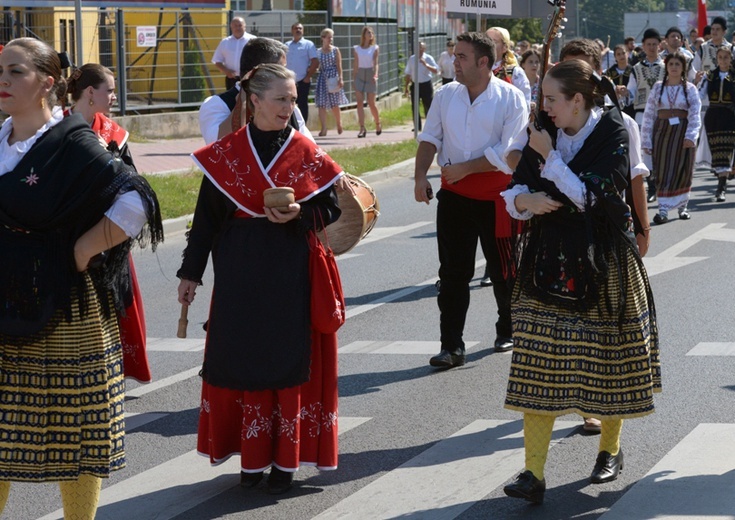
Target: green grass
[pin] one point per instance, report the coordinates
(370, 158)
(177, 194)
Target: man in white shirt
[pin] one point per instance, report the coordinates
(470, 124)
(227, 55)
(215, 119)
(423, 75)
(302, 60)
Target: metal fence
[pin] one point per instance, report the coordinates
(162, 58)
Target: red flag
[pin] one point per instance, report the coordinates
(701, 16)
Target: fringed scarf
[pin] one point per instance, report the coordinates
(59, 190)
(562, 257)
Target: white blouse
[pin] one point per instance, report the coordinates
(365, 56)
(673, 98)
(127, 210)
(556, 169)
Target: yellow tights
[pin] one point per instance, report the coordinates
(537, 431)
(610, 435)
(537, 437)
(79, 497)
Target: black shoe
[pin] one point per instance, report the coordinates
(486, 282)
(279, 481)
(503, 344)
(250, 480)
(652, 197)
(527, 487)
(721, 188)
(607, 467)
(720, 196)
(446, 359)
(660, 219)
(684, 214)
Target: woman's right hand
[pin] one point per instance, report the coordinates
(537, 203)
(187, 291)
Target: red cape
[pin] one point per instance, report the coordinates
(235, 169)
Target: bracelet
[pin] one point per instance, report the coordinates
(646, 228)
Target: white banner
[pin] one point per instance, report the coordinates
(488, 7)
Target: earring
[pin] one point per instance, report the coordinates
(91, 103)
(43, 103)
(576, 111)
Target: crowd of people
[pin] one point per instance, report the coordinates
(546, 172)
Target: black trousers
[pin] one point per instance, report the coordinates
(426, 95)
(460, 222)
(231, 82)
(302, 98)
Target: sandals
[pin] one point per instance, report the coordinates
(378, 129)
(362, 132)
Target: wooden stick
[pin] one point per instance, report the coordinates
(183, 322)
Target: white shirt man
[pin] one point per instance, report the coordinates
(470, 123)
(227, 55)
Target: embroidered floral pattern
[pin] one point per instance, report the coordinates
(307, 169)
(31, 179)
(222, 154)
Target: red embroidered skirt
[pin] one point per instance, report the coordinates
(284, 428)
(132, 335)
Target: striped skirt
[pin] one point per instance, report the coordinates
(672, 163)
(588, 363)
(720, 124)
(61, 401)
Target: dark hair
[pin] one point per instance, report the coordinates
(47, 63)
(674, 30)
(683, 60)
(707, 30)
(577, 76)
(629, 39)
(621, 47)
(482, 45)
(260, 50)
(720, 20)
(88, 75)
(582, 47)
(528, 54)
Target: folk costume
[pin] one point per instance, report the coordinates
(60, 351)
(132, 321)
(585, 337)
(672, 115)
(719, 121)
(269, 387)
(622, 78)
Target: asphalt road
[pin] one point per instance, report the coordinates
(417, 443)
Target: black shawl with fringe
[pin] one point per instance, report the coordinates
(59, 190)
(562, 256)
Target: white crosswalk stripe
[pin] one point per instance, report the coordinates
(694, 481)
(449, 477)
(179, 485)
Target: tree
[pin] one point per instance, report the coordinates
(520, 28)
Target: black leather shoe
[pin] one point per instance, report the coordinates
(652, 197)
(503, 344)
(250, 480)
(684, 215)
(607, 467)
(659, 219)
(279, 481)
(446, 359)
(527, 487)
(486, 282)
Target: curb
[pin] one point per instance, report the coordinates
(402, 169)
